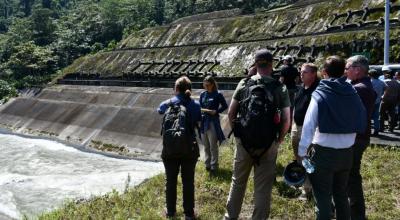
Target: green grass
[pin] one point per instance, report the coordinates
(380, 169)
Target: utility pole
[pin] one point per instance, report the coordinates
(387, 33)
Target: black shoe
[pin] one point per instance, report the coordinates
(169, 215)
(190, 218)
(213, 172)
(375, 134)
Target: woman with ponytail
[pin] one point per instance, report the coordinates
(187, 163)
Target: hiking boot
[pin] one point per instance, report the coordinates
(169, 215)
(193, 217)
(213, 172)
(190, 217)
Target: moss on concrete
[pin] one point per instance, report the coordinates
(263, 25)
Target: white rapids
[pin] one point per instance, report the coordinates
(37, 175)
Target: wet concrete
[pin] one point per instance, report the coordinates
(122, 120)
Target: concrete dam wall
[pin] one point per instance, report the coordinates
(120, 120)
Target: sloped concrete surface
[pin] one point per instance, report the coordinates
(122, 120)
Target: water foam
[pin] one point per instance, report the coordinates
(37, 175)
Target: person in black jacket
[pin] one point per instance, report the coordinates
(289, 76)
(308, 75)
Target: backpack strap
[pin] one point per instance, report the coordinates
(162, 124)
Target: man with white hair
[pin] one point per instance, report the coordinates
(357, 72)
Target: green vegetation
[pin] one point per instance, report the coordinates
(39, 38)
(107, 147)
(146, 201)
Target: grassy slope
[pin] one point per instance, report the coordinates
(380, 170)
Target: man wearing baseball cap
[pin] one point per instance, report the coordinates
(290, 76)
(264, 164)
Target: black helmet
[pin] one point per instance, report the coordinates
(294, 174)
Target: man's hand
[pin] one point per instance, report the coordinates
(299, 159)
(208, 111)
(280, 139)
(212, 112)
(232, 111)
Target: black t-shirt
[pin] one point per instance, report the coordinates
(289, 74)
(301, 102)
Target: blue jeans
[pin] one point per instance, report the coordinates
(375, 117)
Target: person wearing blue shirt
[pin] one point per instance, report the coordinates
(187, 164)
(212, 103)
(379, 87)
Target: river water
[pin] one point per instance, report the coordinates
(37, 175)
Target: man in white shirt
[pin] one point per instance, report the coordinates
(333, 118)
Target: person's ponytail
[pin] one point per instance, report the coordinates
(184, 86)
(188, 93)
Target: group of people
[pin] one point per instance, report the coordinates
(387, 103)
(330, 121)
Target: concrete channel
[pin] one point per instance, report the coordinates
(117, 120)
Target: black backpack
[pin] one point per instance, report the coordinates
(178, 134)
(259, 118)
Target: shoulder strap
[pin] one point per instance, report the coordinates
(170, 104)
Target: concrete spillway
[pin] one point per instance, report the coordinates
(122, 120)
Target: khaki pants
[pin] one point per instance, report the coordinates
(264, 176)
(210, 142)
(295, 136)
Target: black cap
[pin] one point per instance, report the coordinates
(263, 55)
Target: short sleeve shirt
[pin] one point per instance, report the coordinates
(281, 94)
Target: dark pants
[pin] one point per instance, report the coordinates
(187, 167)
(332, 168)
(354, 189)
(388, 109)
(292, 94)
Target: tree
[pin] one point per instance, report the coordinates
(26, 7)
(29, 62)
(6, 90)
(46, 4)
(159, 7)
(43, 27)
